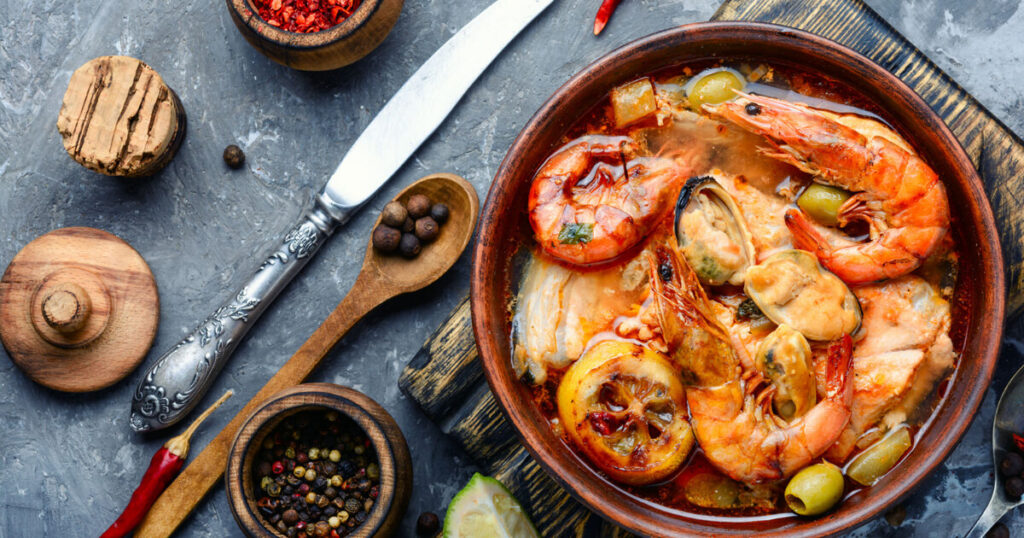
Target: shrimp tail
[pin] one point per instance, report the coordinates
(805, 236)
(851, 265)
(840, 358)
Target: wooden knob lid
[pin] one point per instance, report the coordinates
(119, 118)
(78, 309)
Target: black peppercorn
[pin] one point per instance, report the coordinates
(409, 225)
(426, 229)
(896, 515)
(290, 516)
(352, 505)
(1012, 464)
(1014, 487)
(418, 206)
(394, 214)
(386, 238)
(427, 524)
(439, 212)
(234, 156)
(409, 246)
(998, 531)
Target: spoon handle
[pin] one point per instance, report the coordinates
(206, 470)
(995, 510)
(179, 379)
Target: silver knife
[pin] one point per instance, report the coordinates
(180, 378)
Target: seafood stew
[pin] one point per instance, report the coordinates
(738, 275)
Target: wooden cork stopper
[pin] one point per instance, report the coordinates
(78, 309)
(119, 118)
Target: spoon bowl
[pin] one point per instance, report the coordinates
(1009, 420)
(439, 255)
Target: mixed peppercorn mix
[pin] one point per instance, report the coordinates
(316, 474)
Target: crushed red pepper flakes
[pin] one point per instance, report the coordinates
(1019, 441)
(305, 16)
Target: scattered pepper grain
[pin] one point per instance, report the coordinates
(427, 524)
(234, 157)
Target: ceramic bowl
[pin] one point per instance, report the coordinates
(505, 231)
(380, 427)
(328, 49)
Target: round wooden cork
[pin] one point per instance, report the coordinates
(78, 309)
(119, 118)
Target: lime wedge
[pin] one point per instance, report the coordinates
(485, 507)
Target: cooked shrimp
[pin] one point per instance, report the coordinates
(585, 213)
(896, 193)
(730, 405)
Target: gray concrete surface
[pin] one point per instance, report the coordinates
(68, 462)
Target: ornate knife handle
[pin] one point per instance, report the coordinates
(179, 379)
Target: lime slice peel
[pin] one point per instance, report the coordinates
(485, 507)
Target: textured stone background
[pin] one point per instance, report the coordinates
(69, 462)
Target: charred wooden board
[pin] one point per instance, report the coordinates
(447, 381)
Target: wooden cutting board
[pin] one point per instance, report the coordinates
(448, 383)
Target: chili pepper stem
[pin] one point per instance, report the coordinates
(179, 445)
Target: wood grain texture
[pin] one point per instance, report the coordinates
(327, 49)
(396, 478)
(78, 309)
(445, 376)
(381, 278)
(119, 118)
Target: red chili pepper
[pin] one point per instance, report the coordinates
(305, 15)
(162, 469)
(603, 14)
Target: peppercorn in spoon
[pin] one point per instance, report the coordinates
(1007, 449)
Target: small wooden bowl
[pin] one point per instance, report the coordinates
(318, 51)
(387, 439)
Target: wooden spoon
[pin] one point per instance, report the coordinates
(381, 278)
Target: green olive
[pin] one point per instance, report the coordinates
(822, 203)
(714, 88)
(879, 458)
(815, 489)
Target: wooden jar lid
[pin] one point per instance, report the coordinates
(78, 309)
(119, 118)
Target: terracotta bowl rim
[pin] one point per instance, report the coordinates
(569, 471)
(264, 31)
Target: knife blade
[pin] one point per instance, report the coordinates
(177, 381)
(426, 99)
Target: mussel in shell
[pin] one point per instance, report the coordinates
(784, 357)
(712, 234)
(792, 288)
